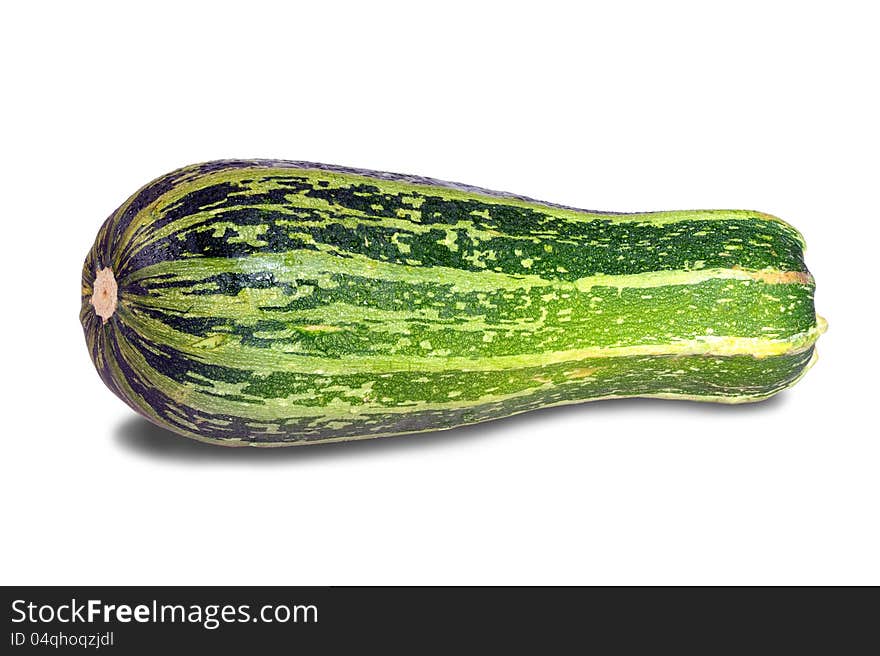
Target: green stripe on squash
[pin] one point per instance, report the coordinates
(270, 303)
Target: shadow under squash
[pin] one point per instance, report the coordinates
(140, 436)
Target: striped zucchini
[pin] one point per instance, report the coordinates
(267, 303)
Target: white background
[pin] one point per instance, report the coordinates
(632, 106)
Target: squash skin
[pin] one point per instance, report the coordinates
(269, 303)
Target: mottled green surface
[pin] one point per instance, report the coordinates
(279, 303)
